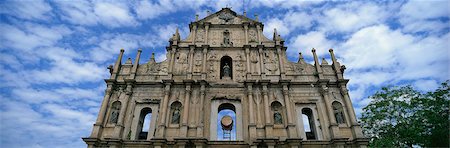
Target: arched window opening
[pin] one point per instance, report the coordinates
(226, 122)
(115, 110)
(308, 124)
(145, 118)
(226, 68)
(175, 111)
(277, 112)
(338, 112)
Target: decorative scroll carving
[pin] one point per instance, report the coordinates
(197, 62)
(200, 35)
(270, 62)
(240, 71)
(252, 35)
(181, 60)
(254, 61)
(211, 71)
(226, 17)
(212, 56)
(294, 68)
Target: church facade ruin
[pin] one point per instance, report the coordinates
(226, 72)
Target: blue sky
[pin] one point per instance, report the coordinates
(54, 54)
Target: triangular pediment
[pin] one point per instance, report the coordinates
(226, 16)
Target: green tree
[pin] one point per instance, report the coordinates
(404, 117)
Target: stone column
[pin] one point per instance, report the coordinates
(202, 110)
(261, 61)
(356, 128)
(333, 125)
(191, 59)
(117, 65)
(172, 60)
(194, 33)
(101, 115)
(162, 117)
(119, 126)
(247, 55)
(280, 61)
(206, 33)
(205, 52)
(258, 104)
(287, 102)
(258, 31)
(246, 32)
(136, 64)
(184, 123)
(128, 121)
(268, 126)
(252, 126)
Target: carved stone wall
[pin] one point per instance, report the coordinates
(184, 93)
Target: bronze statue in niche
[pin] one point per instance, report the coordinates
(226, 70)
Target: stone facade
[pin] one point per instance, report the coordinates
(226, 63)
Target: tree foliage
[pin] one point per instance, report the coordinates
(404, 117)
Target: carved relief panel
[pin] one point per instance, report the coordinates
(252, 36)
(198, 62)
(254, 65)
(240, 69)
(212, 65)
(214, 37)
(270, 62)
(181, 62)
(226, 37)
(200, 35)
(238, 37)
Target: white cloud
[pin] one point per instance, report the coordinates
(30, 36)
(377, 56)
(416, 16)
(114, 15)
(275, 23)
(352, 16)
(30, 10)
(306, 42)
(149, 10)
(413, 10)
(49, 121)
(374, 47)
(292, 20)
(97, 12)
(426, 85)
(81, 12)
(286, 4)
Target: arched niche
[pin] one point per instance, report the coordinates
(143, 127)
(175, 112)
(114, 113)
(226, 109)
(277, 110)
(309, 127)
(223, 104)
(308, 123)
(338, 112)
(224, 62)
(144, 121)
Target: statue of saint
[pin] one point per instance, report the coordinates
(339, 117)
(114, 115)
(278, 119)
(176, 116)
(226, 70)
